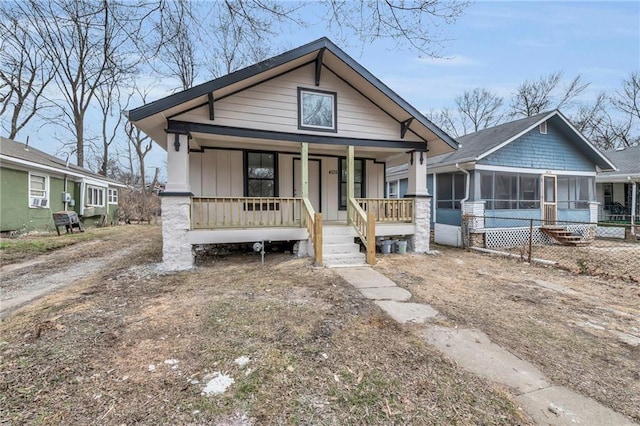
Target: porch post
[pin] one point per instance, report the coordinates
(176, 206)
(350, 181)
(634, 203)
(304, 169)
(419, 241)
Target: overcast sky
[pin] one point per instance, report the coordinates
(495, 45)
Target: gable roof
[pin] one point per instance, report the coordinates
(13, 151)
(478, 145)
(152, 117)
(627, 162)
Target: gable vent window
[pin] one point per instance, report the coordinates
(543, 128)
(317, 110)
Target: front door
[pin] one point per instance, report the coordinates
(314, 182)
(550, 201)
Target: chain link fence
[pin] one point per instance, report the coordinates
(587, 248)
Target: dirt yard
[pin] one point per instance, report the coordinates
(582, 332)
(294, 344)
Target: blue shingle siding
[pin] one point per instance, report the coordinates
(583, 215)
(553, 151)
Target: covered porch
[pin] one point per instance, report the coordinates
(306, 190)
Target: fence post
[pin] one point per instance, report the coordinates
(530, 239)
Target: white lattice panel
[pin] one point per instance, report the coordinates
(516, 237)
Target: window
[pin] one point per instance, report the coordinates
(505, 191)
(574, 192)
(358, 181)
(317, 110)
(450, 190)
(112, 196)
(95, 196)
(38, 190)
(261, 174)
(393, 190)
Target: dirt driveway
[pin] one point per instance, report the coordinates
(295, 344)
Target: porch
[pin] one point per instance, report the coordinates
(218, 220)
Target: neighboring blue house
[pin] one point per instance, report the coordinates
(539, 167)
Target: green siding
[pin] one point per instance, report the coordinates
(15, 213)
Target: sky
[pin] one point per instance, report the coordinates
(495, 45)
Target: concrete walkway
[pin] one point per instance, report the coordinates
(474, 351)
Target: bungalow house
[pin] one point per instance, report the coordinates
(539, 168)
(293, 148)
(34, 185)
(618, 191)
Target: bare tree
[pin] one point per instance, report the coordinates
(86, 39)
(110, 107)
(446, 120)
(627, 100)
(24, 71)
(409, 23)
(479, 109)
(535, 96)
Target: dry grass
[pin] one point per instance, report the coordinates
(320, 353)
(571, 334)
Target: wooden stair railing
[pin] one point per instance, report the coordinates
(365, 224)
(563, 236)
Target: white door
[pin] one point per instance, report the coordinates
(314, 182)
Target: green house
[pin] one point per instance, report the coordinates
(34, 185)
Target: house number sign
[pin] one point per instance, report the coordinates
(333, 172)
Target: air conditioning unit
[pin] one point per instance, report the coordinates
(43, 202)
(38, 202)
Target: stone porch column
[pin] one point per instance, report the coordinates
(417, 189)
(176, 206)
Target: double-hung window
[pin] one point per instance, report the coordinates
(261, 174)
(317, 110)
(38, 190)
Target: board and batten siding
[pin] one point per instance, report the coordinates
(273, 105)
(216, 173)
(534, 150)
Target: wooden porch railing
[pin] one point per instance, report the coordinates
(365, 225)
(245, 212)
(313, 221)
(389, 209)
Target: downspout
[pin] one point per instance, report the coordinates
(465, 199)
(65, 193)
(634, 203)
(466, 186)
(82, 189)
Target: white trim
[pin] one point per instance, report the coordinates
(110, 196)
(533, 171)
(100, 190)
(543, 128)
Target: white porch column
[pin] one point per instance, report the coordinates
(417, 174)
(177, 163)
(176, 206)
(419, 242)
(634, 203)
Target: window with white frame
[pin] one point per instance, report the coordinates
(38, 190)
(112, 196)
(317, 110)
(451, 190)
(95, 196)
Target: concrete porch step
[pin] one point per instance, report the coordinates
(341, 248)
(338, 260)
